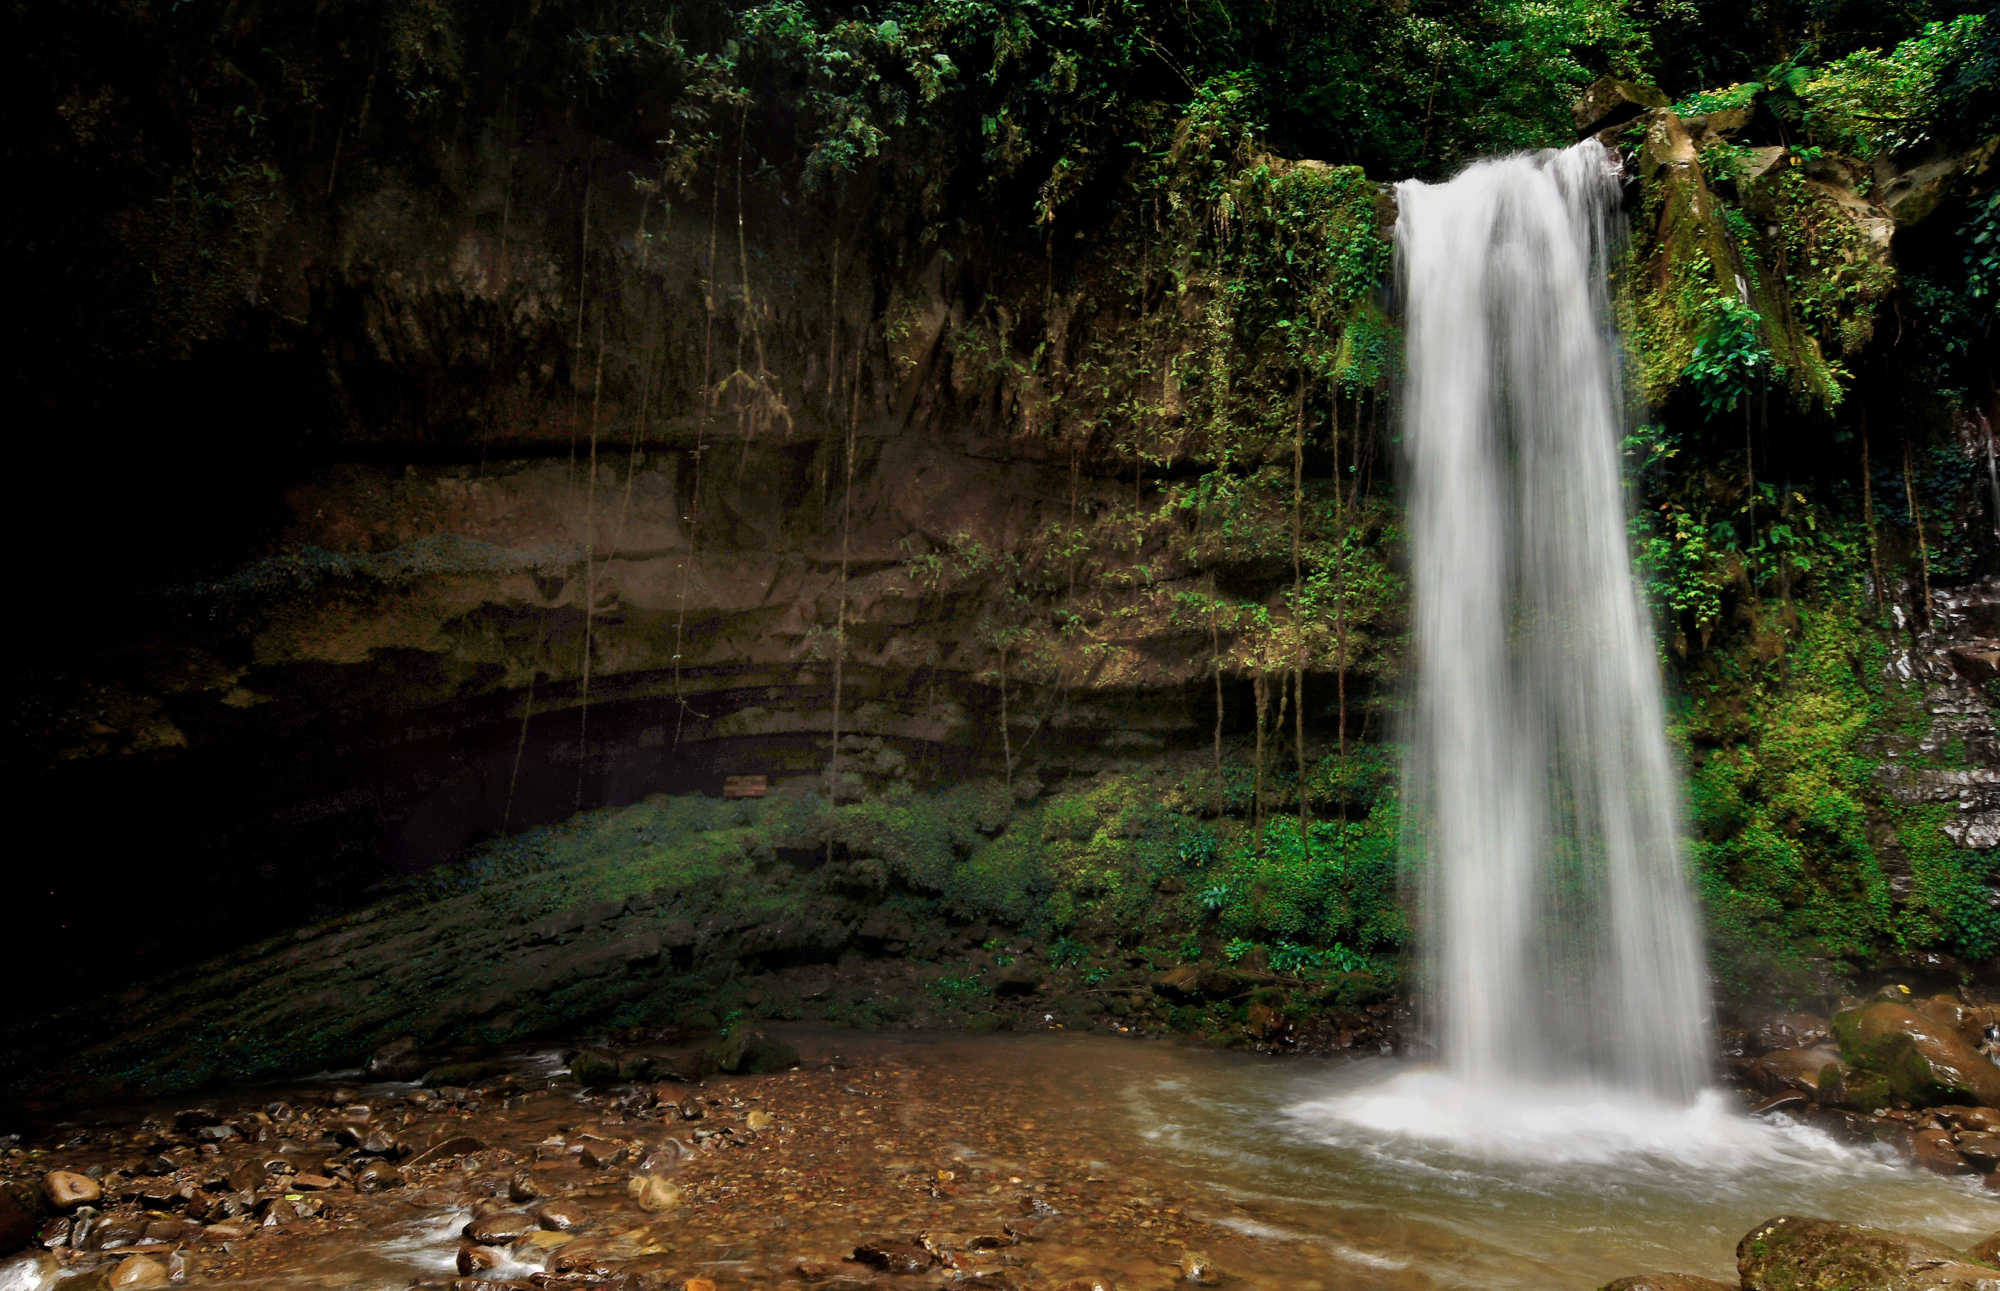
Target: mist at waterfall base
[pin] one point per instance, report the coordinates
(1563, 962)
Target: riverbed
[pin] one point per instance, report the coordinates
(1009, 1160)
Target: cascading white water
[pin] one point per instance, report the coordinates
(1562, 940)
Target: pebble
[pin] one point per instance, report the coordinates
(600, 1155)
(1199, 1269)
(893, 1255)
(68, 1190)
(377, 1176)
(759, 1120)
(500, 1227)
(1982, 1150)
(137, 1271)
(653, 1194)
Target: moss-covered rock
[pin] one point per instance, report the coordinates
(1667, 1282)
(1841, 1085)
(594, 1067)
(752, 1053)
(1797, 1254)
(1923, 1061)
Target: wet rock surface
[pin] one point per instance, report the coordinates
(1923, 1056)
(1795, 1254)
(1914, 1074)
(834, 1172)
(875, 1163)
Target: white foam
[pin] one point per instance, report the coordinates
(431, 1244)
(29, 1272)
(1580, 1125)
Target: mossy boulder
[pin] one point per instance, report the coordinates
(1798, 1254)
(1611, 102)
(1924, 1061)
(594, 1067)
(1843, 1086)
(462, 1073)
(752, 1053)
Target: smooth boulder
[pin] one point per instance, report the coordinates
(1923, 1060)
(594, 1067)
(501, 1227)
(137, 1271)
(752, 1053)
(652, 1194)
(1792, 1253)
(1611, 102)
(67, 1189)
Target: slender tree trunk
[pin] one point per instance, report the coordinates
(1298, 596)
(1750, 499)
(1917, 520)
(1992, 474)
(1299, 732)
(1215, 640)
(1260, 691)
(1868, 511)
(1006, 736)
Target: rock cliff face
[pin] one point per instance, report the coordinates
(530, 476)
(510, 561)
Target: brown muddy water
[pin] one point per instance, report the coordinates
(1119, 1161)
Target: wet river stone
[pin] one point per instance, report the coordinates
(1795, 1254)
(893, 1254)
(501, 1227)
(594, 1067)
(561, 1216)
(653, 1195)
(68, 1190)
(754, 1053)
(1923, 1060)
(137, 1271)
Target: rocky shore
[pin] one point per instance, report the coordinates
(1914, 1074)
(663, 1160)
(878, 1171)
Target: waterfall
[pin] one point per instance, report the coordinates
(1561, 936)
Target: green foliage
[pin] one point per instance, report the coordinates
(1782, 795)
(1781, 853)
(1730, 358)
(1871, 102)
